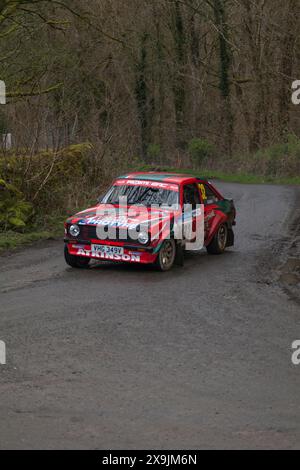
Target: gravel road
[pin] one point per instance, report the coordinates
(124, 357)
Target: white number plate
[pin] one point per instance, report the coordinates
(112, 250)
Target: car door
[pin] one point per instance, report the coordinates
(209, 199)
(191, 198)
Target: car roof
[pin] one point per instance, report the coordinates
(166, 177)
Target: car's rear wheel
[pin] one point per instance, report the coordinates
(166, 256)
(76, 261)
(219, 242)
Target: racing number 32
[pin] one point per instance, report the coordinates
(203, 192)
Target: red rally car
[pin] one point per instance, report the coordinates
(151, 218)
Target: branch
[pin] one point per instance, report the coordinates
(24, 94)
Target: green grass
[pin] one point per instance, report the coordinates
(244, 178)
(11, 240)
(44, 228)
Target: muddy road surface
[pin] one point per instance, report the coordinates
(124, 357)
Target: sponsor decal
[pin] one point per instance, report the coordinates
(110, 256)
(148, 184)
(110, 221)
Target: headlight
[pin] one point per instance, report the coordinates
(143, 238)
(74, 230)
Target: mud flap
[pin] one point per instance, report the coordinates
(230, 239)
(179, 258)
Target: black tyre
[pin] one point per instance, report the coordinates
(166, 256)
(219, 242)
(179, 258)
(76, 261)
(231, 237)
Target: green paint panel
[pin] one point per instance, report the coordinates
(225, 206)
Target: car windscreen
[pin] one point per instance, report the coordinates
(145, 194)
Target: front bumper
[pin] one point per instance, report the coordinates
(132, 254)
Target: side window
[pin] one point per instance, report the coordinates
(191, 195)
(207, 194)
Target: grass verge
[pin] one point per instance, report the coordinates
(11, 240)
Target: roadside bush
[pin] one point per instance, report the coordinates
(199, 151)
(281, 159)
(50, 179)
(49, 182)
(14, 210)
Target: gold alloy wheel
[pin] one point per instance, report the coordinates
(222, 237)
(167, 255)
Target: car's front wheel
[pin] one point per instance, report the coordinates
(218, 244)
(76, 261)
(166, 256)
